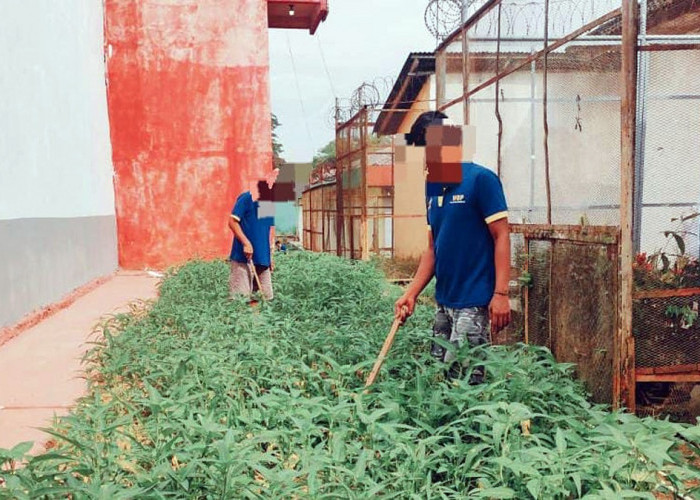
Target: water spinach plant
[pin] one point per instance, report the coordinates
(198, 396)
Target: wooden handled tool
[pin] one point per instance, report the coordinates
(382, 354)
(257, 278)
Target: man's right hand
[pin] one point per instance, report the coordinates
(248, 250)
(404, 307)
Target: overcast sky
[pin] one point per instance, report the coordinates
(361, 41)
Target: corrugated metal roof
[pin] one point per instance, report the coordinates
(417, 68)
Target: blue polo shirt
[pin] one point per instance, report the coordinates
(257, 230)
(464, 250)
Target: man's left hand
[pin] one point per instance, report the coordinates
(499, 312)
(272, 266)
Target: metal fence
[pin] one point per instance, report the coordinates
(589, 111)
(590, 114)
(667, 194)
(352, 212)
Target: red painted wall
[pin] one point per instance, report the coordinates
(189, 108)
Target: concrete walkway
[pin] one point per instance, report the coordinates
(40, 369)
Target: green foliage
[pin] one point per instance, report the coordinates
(684, 313)
(525, 279)
(277, 148)
(203, 397)
(669, 266)
(324, 154)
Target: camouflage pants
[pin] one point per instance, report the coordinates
(456, 326)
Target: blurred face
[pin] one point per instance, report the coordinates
(444, 154)
(443, 144)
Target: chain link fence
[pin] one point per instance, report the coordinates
(667, 198)
(543, 83)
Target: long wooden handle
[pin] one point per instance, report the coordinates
(382, 354)
(257, 279)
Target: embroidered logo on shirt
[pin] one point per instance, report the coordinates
(458, 198)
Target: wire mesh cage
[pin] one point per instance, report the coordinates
(545, 84)
(589, 112)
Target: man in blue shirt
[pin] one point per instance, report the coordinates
(468, 244)
(253, 242)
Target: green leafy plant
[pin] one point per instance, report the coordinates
(525, 279)
(669, 266)
(684, 313)
(200, 396)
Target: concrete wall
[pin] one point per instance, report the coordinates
(57, 224)
(190, 121)
(410, 223)
(286, 217)
(585, 163)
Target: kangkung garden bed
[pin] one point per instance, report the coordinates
(200, 396)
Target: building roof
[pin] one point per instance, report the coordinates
(296, 14)
(416, 70)
(667, 17)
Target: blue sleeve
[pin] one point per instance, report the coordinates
(243, 205)
(490, 197)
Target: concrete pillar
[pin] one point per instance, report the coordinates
(189, 109)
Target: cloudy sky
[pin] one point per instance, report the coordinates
(361, 40)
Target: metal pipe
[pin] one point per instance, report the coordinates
(598, 38)
(640, 136)
(499, 160)
(548, 187)
(573, 35)
(533, 125)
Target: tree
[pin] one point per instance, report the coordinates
(277, 147)
(326, 153)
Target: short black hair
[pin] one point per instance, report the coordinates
(416, 137)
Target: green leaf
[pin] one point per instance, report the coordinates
(657, 451)
(499, 492)
(21, 449)
(617, 462)
(374, 416)
(560, 441)
(361, 464)
(534, 486)
(679, 242)
(576, 477)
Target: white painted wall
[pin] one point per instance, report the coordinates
(585, 164)
(55, 155)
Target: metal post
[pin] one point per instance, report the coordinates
(339, 151)
(623, 351)
(642, 85)
(465, 66)
(497, 91)
(440, 78)
(547, 182)
(533, 125)
(364, 230)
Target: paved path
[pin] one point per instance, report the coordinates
(40, 369)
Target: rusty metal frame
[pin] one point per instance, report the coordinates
(619, 238)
